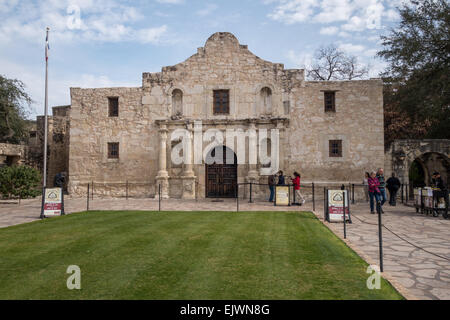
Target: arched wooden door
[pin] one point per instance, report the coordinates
(221, 178)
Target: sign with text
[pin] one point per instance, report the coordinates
(53, 202)
(281, 195)
(336, 205)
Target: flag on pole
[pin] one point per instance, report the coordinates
(47, 47)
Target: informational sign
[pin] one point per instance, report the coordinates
(53, 202)
(336, 205)
(282, 196)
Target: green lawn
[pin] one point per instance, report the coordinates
(182, 255)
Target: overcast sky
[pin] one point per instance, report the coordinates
(108, 43)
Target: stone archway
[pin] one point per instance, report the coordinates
(431, 155)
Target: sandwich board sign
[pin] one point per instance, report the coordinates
(336, 201)
(52, 203)
(282, 196)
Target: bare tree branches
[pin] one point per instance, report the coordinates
(332, 63)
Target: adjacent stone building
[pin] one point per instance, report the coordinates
(329, 131)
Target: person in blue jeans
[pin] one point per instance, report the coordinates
(271, 183)
(382, 187)
(374, 191)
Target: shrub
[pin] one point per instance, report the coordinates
(19, 181)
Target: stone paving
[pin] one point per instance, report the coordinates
(416, 273)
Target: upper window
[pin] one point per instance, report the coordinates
(113, 150)
(221, 102)
(113, 103)
(330, 101)
(335, 148)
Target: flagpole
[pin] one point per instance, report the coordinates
(46, 112)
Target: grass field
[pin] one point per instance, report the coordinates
(182, 255)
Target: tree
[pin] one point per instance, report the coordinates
(332, 63)
(418, 53)
(19, 181)
(13, 109)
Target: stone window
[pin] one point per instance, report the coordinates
(330, 101)
(336, 148)
(113, 150)
(266, 100)
(221, 102)
(113, 106)
(177, 102)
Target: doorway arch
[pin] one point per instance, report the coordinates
(221, 173)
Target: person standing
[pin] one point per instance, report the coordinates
(296, 183)
(366, 185)
(441, 191)
(393, 184)
(382, 187)
(271, 182)
(281, 181)
(374, 191)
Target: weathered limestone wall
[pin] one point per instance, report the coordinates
(91, 130)
(431, 154)
(222, 64)
(12, 154)
(293, 106)
(58, 143)
(358, 122)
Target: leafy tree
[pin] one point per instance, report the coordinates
(332, 63)
(19, 181)
(13, 109)
(417, 78)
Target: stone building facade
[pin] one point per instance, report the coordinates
(329, 131)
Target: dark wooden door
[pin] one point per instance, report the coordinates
(221, 180)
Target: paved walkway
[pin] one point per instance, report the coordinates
(416, 273)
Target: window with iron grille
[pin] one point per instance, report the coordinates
(113, 103)
(330, 101)
(221, 102)
(113, 150)
(335, 148)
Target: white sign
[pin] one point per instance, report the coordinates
(336, 200)
(53, 202)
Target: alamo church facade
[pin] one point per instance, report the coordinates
(329, 131)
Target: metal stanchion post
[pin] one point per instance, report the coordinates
(289, 195)
(237, 197)
(343, 214)
(353, 193)
(42, 204)
(380, 237)
(313, 198)
(406, 194)
(251, 191)
(87, 204)
(402, 193)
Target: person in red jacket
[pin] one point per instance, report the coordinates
(296, 183)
